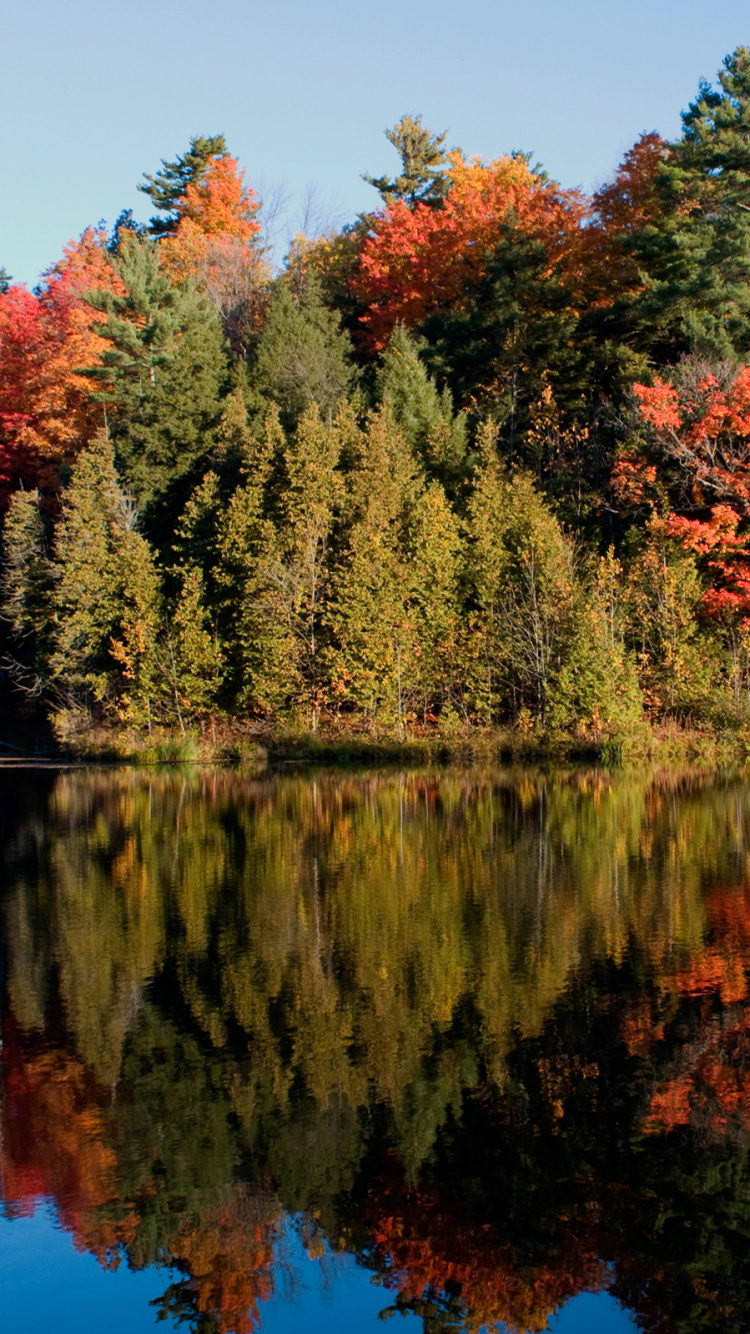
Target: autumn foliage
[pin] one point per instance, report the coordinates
(46, 339)
(422, 259)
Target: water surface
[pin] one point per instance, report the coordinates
(308, 1052)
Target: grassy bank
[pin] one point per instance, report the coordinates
(77, 738)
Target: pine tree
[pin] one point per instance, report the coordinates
(424, 414)
(513, 334)
(167, 188)
(372, 617)
(696, 256)
(26, 589)
(162, 371)
(302, 357)
(423, 159)
(106, 595)
(434, 553)
(5, 280)
(191, 654)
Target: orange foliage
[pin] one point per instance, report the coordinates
(55, 1144)
(427, 1247)
(418, 260)
(621, 209)
(702, 433)
(45, 340)
(216, 213)
(716, 1083)
(229, 1258)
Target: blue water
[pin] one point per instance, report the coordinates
(45, 1285)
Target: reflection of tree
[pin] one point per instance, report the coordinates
(473, 1027)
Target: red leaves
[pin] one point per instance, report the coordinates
(419, 260)
(701, 433)
(45, 341)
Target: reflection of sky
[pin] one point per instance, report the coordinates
(45, 1284)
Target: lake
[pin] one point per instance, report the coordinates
(470, 1049)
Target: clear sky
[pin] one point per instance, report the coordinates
(93, 93)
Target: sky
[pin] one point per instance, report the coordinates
(94, 93)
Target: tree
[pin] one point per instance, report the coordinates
(519, 582)
(371, 614)
(47, 340)
(692, 461)
(161, 371)
(421, 260)
(5, 280)
(695, 253)
(423, 413)
(167, 188)
(423, 160)
(191, 656)
(106, 594)
(302, 356)
(26, 589)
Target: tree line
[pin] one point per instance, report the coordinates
(478, 457)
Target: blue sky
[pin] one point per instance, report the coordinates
(94, 93)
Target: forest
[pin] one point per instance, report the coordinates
(475, 463)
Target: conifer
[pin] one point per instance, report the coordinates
(161, 372)
(167, 188)
(423, 159)
(302, 358)
(26, 590)
(106, 595)
(424, 414)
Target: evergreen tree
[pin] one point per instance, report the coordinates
(423, 160)
(512, 336)
(434, 552)
(423, 413)
(597, 688)
(372, 617)
(696, 257)
(520, 589)
(5, 280)
(193, 658)
(162, 371)
(167, 187)
(302, 356)
(677, 665)
(106, 595)
(26, 589)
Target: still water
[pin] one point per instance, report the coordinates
(306, 1052)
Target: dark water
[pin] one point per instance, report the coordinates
(304, 1053)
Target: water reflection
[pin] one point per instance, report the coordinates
(489, 1033)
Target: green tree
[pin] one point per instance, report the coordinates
(26, 589)
(162, 371)
(372, 616)
(519, 588)
(5, 280)
(106, 596)
(423, 413)
(423, 158)
(677, 664)
(168, 186)
(434, 556)
(192, 657)
(597, 688)
(302, 358)
(696, 257)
